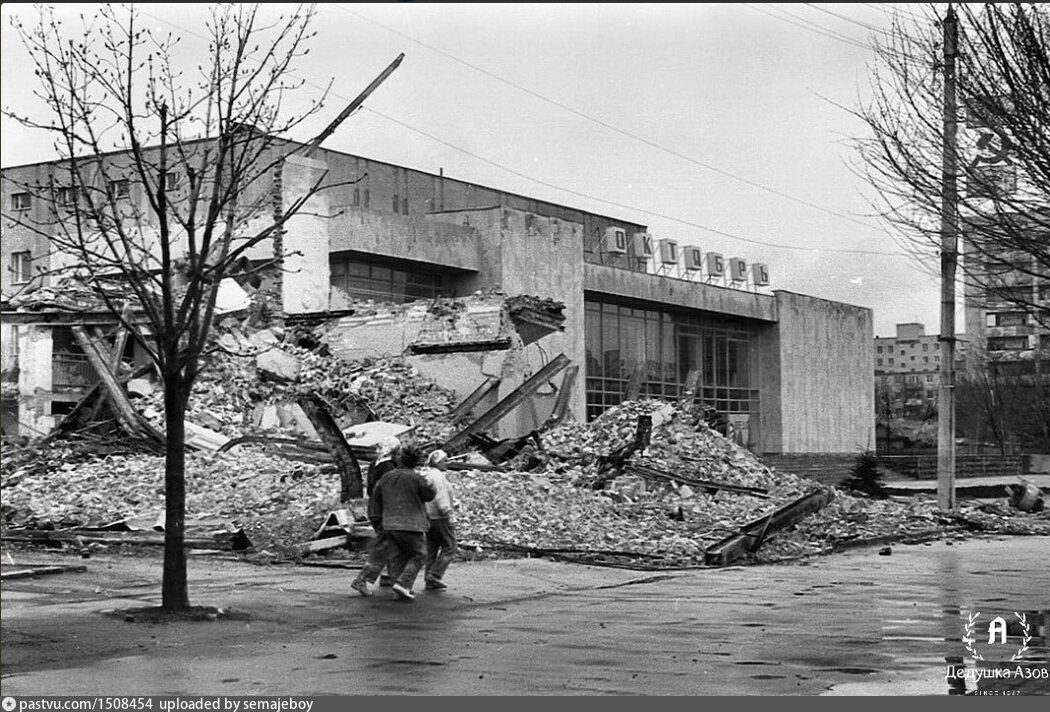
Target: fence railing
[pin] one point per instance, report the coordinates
(72, 371)
(924, 467)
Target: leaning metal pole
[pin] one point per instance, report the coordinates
(949, 261)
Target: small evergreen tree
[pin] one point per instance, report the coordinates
(865, 476)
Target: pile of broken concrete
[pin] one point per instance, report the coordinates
(664, 506)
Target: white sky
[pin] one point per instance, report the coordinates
(679, 116)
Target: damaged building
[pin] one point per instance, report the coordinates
(482, 289)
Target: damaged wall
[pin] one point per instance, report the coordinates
(467, 339)
(425, 238)
(35, 361)
(543, 256)
(306, 276)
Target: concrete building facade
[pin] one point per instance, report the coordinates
(792, 373)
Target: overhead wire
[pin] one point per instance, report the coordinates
(614, 128)
(810, 26)
(682, 221)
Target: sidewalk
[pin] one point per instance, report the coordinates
(968, 486)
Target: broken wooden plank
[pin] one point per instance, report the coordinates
(480, 468)
(462, 410)
(81, 414)
(653, 473)
(351, 482)
(751, 535)
(497, 412)
(129, 418)
(29, 570)
(226, 541)
(634, 383)
(114, 356)
(561, 404)
(332, 542)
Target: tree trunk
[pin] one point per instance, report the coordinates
(174, 590)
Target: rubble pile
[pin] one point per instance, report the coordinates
(273, 500)
(681, 443)
(231, 394)
(666, 505)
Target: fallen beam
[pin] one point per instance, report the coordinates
(351, 482)
(497, 412)
(561, 404)
(753, 534)
(462, 410)
(634, 383)
(653, 473)
(134, 423)
(225, 541)
(30, 570)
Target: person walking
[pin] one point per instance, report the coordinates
(441, 536)
(398, 506)
(386, 450)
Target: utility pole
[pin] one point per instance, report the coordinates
(949, 262)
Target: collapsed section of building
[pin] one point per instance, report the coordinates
(481, 289)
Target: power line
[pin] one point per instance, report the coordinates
(616, 129)
(624, 206)
(569, 190)
(865, 25)
(810, 26)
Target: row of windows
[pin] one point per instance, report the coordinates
(891, 361)
(889, 349)
(674, 352)
(912, 378)
(382, 283)
(66, 196)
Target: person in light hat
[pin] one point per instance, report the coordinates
(400, 497)
(441, 536)
(386, 451)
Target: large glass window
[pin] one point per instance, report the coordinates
(383, 282)
(676, 349)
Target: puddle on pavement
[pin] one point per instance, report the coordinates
(987, 651)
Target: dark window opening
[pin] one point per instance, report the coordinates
(387, 282)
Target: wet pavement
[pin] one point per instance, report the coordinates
(855, 624)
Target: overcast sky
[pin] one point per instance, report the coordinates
(717, 125)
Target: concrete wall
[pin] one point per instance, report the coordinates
(35, 351)
(422, 238)
(390, 330)
(543, 256)
(817, 374)
(611, 281)
(306, 276)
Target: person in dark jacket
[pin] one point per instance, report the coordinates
(386, 451)
(399, 511)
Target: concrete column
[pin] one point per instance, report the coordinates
(306, 276)
(34, 380)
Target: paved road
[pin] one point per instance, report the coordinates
(856, 623)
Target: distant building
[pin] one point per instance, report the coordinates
(1007, 312)
(907, 368)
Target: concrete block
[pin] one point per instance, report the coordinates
(140, 387)
(277, 365)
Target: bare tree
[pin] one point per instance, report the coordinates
(1004, 168)
(165, 184)
(1007, 404)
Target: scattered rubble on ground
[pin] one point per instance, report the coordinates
(688, 489)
